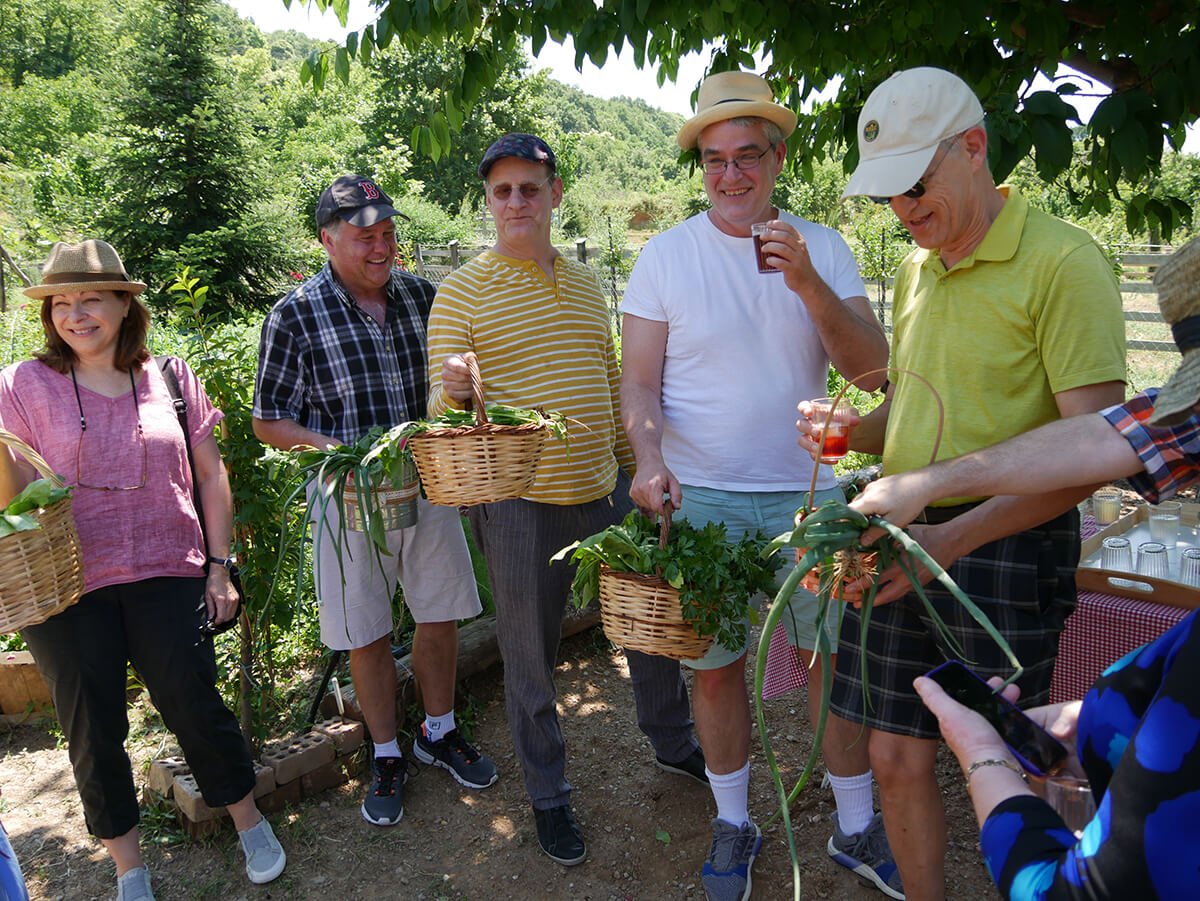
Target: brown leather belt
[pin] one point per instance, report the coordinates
(935, 516)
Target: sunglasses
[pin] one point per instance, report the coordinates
(918, 190)
(530, 190)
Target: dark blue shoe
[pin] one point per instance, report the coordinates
(726, 873)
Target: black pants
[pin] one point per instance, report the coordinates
(83, 652)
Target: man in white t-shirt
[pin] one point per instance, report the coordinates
(716, 356)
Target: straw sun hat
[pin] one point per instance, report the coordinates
(732, 95)
(88, 266)
(1178, 284)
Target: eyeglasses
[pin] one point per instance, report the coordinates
(529, 190)
(918, 190)
(743, 162)
(79, 482)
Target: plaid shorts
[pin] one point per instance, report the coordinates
(1024, 584)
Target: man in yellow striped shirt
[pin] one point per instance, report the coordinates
(540, 329)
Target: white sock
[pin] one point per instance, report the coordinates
(388, 749)
(438, 727)
(730, 791)
(855, 806)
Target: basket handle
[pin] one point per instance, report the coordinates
(35, 459)
(664, 529)
(472, 362)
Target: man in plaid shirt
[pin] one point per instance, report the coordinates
(342, 353)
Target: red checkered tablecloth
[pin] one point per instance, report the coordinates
(1102, 629)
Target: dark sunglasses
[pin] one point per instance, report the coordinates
(918, 190)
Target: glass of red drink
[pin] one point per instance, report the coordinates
(757, 232)
(836, 420)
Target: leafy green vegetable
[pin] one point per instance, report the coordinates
(19, 516)
(716, 578)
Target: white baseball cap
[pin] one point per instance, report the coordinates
(901, 125)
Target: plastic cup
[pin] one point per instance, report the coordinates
(1116, 554)
(1164, 522)
(1106, 505)
(1189, 566)
(837, 427)
(757, 231)
(1072, 799)
(1152, 560)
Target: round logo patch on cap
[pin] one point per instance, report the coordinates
(870, 131)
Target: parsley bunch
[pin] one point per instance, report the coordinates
(716, 578)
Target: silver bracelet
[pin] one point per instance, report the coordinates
(996, 761)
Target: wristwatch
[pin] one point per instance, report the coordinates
(228, 562)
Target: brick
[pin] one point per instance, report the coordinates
(191, 803)
(345, 734)
(324, 778)
(163, 772)
(283, 796)
(202, 829)
(264, 779)
(303, 754)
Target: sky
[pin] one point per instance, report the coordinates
(619, 77)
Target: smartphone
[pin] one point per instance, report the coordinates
(1039, 752)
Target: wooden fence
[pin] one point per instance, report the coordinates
(1137, 287)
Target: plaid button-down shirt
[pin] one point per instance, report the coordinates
(326, 364)
(1170, 454)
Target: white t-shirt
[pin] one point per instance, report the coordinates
(741, 353)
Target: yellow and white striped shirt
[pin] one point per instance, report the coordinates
(539, 344)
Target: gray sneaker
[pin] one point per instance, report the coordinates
(456, 756)
(265, 859)
(726, 873)
(868, 855)
(384, 804)
(134, 885)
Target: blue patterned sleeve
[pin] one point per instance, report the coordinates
(1139, 742)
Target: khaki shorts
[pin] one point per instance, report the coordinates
(430, 561)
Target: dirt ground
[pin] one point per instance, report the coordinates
(647, 831)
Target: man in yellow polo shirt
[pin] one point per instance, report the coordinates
(1015, 319)
(540, 329)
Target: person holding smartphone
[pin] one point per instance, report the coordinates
(1136, 735)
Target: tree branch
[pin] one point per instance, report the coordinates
(25, 279)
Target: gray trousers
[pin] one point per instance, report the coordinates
(518, 538)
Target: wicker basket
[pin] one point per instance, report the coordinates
(481, 463)
(642, 613)
(41, 571)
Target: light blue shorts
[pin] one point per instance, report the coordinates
(743, 512)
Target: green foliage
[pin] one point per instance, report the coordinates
(716, 579)
(19, 514)
(224, 355)
(183, 179)
(1149, 57)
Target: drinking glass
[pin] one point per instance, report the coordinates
(837, 433)
(1152, 560)
(757, 230)
(1106, 505)
(1116, 554)
(1189, 566)
(1073, 801)
(1164, 522)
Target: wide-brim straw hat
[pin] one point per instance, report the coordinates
(733, 95)
(87, 266)
(1178, 284)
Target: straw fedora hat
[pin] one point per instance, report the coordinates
(732, 95)
(89, 265)
(1178, 284)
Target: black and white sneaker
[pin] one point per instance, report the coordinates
(457, 756)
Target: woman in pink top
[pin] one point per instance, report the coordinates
(97, 408)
